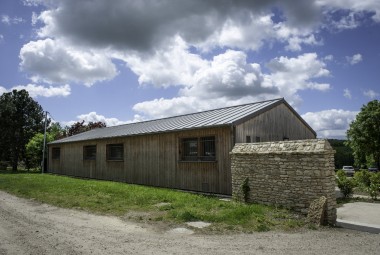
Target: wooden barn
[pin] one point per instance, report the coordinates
(188, 152)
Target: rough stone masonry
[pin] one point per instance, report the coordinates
(287, 173)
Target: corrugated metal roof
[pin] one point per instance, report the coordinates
(211, 118)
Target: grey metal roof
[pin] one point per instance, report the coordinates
(218, 117)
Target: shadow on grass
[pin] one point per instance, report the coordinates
(9, 171)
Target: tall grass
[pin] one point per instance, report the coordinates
(113, 198)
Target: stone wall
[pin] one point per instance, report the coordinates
(288, 173)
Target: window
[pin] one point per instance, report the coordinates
(257, 139)
(89, 152)
(190, 149)
(56, 153)
(198, 149)
(115, 152)
(207, 148)
(248, 139)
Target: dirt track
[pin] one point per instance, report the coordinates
(28, 227)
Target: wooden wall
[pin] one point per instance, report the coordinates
(151, 160)
(274, 125)
(154, 159)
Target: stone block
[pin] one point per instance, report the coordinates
(317, 211)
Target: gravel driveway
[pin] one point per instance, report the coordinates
(28, 227)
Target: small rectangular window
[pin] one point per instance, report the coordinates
(248, 139)
(207, 148)
(115, 152)
(198, 149)
(257, 139)
(89, 152)
(56, 153)
(190, 149)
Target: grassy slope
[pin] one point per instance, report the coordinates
(119, 199)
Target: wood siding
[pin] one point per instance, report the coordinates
(274, 125)
(154, 159)
(151, 160)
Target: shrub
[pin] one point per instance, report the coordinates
(3, 165)
(368, 182)
(374, 187)
(345, 185)
(362, 179)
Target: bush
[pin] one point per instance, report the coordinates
(374, 187)
(362, 178)
(345, 185)
(368, 182)
(3, 165)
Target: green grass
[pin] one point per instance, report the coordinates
(140, 202)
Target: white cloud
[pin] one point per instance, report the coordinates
(34, 18)
(52, 62)
(370, 93)
(242, 34)
(41, 91)
(147, 25)
(355, 59)
(155, 38)
(94, 117)
(353, 5)
(330, 123)
(290, 75)
(228, 79)
(347, 93)
(1, 38)
(174, 65)
(328, 58)
(5, 19)
(295, 42)
(228, 75)
(3, 90)
(350, 21)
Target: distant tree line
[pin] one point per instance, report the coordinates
(22, 123)
(343, 153)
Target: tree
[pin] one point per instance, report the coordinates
(56, 131)
(20, 119)
(34, 149)
(364, 134)
(343, 153)
(80, 127)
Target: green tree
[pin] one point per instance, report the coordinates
(20, 119)
(364, 133)
(34, 149)
(343, 153)
(56, 131)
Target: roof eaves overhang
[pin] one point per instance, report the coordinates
(141, 134)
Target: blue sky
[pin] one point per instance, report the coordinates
(122, 61)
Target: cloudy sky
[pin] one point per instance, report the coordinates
(121, 61)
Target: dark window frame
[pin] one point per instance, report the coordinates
(56, 153)
(89, 152)
(198, 149)
(112, 154)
